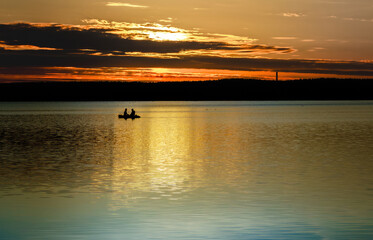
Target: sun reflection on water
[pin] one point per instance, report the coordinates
(152, 158)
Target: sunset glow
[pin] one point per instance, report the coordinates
(167, 36)
(238, 40)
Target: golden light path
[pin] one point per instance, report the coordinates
(161, 165)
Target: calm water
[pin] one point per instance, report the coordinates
(186, 170)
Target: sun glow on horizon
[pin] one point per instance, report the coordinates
(168, 36)
(147, 74)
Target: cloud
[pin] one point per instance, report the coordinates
(290, 14)
(359, 19)
(200, 9)
(143, 31)
(63, 59)
(21, 74)
(352, 19)
(119, 4)
(285, 38)
(314, 49)
(93, 46)
(23, 47)
(271, 48)
(75, 38)
(167, 20)
(113, 40)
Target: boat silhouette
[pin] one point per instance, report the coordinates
(128, 116)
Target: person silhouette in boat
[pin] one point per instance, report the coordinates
(132, 113)
(125, 113)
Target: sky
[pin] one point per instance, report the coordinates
(168, 40)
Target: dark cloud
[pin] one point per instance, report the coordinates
(44, 58)
(285, 65)
(77, 38)
(71, 38)
(271, 48)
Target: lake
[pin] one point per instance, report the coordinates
(186, 170)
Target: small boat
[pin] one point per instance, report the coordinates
(128, 116)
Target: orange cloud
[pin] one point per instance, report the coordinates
(292, 14)
(119, 4)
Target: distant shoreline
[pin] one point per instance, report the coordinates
(225, 89)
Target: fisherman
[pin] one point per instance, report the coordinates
(125, 113)
(132, 113)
